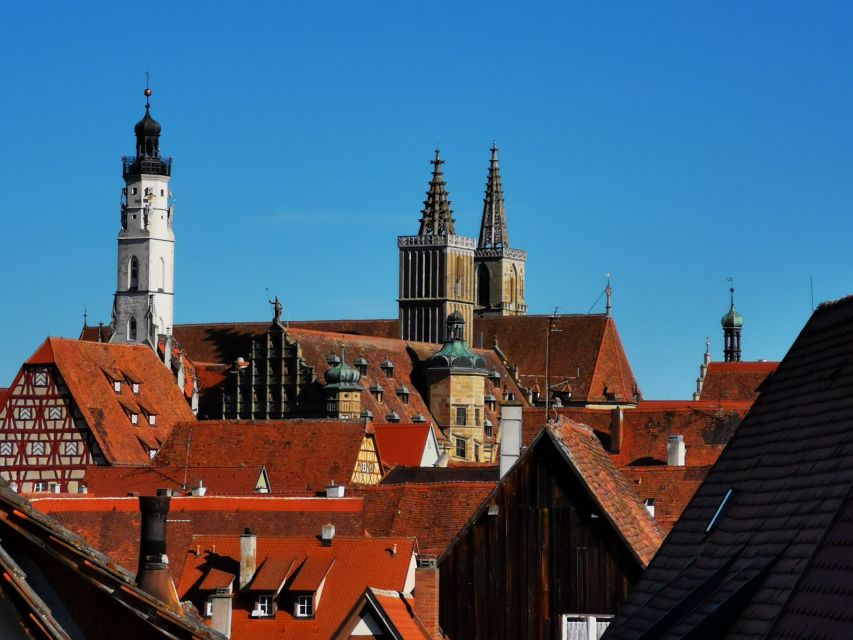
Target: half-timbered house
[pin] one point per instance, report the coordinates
(74, 404)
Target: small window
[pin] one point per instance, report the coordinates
(134, 418)
(304, 607)
(208, 608)
(263, 607)
(25, 413)
(40, 379)
(117, 386)
(71, 448)
(461, 416)
(38, 448)
(476, 416)
(476, 451)
(133, 274)
(133, 191)
(488, 428)
(131, 329)
(135, 388)
(7, 448)
(461, 448)
(162, 192)
(54, 413)
(40, 486)
(152, 420)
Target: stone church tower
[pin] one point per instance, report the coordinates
(436, 269)
(144, 298)
(500, 269)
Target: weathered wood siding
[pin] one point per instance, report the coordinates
(545, 553)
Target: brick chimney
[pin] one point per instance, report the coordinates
(248, 556)
(426, 593)
(153, 575)
(616, 426)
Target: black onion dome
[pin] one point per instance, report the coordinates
(148, 126)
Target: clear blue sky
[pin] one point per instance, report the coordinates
(670, 143)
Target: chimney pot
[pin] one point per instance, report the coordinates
(676, 452)
(248, 556)
(335, 490)
(153, 575)
(327, 534)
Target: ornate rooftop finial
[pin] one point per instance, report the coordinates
(437, 216)
(732, 326)
(493, 229)
(85, 317)
(147, 92)
(608, 291)
(147, 130)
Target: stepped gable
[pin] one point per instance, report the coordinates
(346, 569)
(735, 381)
(90, 369)
(83, 580)
(587, 354)
(433, 512)
(112, 525)
(299, 455)
(123, 481)
(762, 550)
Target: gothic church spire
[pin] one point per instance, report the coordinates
(437, 215)
(493, 229)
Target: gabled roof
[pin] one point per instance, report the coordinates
(392, 611)
(299, 455)
(84, 583)
(346, 568)
(432, 513)
(587, 353)
(732, 381)
(112, 524)
(403, 444)
(122, 481)
(89, 370)
(762, 550)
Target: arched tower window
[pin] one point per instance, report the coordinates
(162, 274)
(133, 274)
(483, 282)
(131, 329)
(513, 285)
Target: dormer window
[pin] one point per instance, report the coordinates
(117, 386)
(134, 418)
(488, 428)
(361, 365)
(418, 418)
(135, 388)
(303, 606)
(491, 401)
(494, 376)
(152, 420)
(40, 379)
(376, 391)
(332, 360)
(263, 607)
(388, 367)
(403, 393)
(393, 417)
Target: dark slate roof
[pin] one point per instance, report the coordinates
(776, 562)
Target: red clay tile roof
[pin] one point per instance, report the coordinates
(608, 487)
(216, 579)
(402, 444)
(311, 574)
(82, 366)
(122, 481)
(81, 567)
(732, 381)
(671, 487)
(112, 524)
(390, 608)
(356, 563)
(587, 352)
(432, 513)
(299, 455)
(763, 548)
(272, 573)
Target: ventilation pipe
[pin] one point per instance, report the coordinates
(511, 424)
(335, 490)
(153, 575)
(676, 452)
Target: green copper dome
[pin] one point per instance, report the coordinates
(342, 376)
(732, 320)
(455, 353)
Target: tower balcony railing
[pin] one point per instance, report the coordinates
(134, 165)
(458, 242)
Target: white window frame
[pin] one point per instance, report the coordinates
(134, 418)
(208, 608)
(117, 386)
(135, 388)
(25, 413)
(7, 448)
(42, 446)
(263, 605)
(54, 413)
(71, 448)
(152, 420)
(39, 487)
(303, 606)
(40, 379)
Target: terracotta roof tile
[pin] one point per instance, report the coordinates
(122, 481)
(82, 366)
(763, 548)
(432, 513)
(311, 574)
(299, 455)
(216, 579)
(402, 444)
(349, 564)
(732, 381)
(272, 573)
(671, 487)
(399, 608)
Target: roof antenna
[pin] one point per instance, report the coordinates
(85, 316)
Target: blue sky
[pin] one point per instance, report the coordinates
(673, 144)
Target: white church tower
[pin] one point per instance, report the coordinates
(143, 306)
